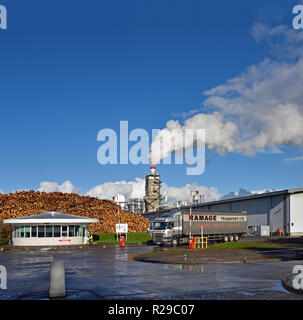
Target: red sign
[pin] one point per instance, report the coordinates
(68, 240)
(202, 218)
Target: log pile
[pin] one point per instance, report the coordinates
(26, 203)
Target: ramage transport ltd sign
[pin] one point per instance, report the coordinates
(196, 217)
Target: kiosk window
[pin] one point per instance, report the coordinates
(64, 231)
(22, 232)
(77, 231)
(57, 231)
(27, 231)
(34, 231)
(17, 232)
(49, 231)
(71, 230)
(41, 231)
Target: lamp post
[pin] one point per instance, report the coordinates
(190, 194)
(118, 222)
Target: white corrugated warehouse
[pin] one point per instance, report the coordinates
(280, 209)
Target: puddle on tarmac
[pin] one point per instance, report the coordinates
(277, 287)
(246, 293)
(193, 268)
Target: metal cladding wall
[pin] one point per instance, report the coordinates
(269, 210)
(296, 214)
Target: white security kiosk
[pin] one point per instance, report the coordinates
(51, 228)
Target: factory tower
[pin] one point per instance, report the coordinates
(152, 190)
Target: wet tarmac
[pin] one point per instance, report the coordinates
(110, 274)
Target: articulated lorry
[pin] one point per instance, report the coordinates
(176, 228)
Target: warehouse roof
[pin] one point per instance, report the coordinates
(256, 196)
(250, 197)
(51, 217)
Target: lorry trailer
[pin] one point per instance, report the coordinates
(177, 227)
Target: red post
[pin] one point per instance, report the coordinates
(191, 243)
(122, 241)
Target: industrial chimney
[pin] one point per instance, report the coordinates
(152, 190)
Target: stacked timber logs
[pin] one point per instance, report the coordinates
(26, 203)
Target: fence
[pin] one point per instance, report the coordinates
(199, 242)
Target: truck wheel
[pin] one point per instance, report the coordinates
(225, 238)
(175, 242)
(231, 237)
(236, 237)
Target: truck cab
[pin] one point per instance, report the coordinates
(165, 230)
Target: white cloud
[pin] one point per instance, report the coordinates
(260, 110)
(136, 189)
(131, 189)
(65, 187)
(243, 193)
(175, 194)
(185, 115)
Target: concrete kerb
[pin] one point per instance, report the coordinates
(95, 245)
(223, 258)
(190, 262)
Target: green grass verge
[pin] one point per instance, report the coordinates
(246, 245)
(136, 237)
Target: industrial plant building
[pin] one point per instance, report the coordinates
(281, 210)
(151, 200)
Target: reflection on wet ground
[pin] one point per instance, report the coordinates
(109, 274)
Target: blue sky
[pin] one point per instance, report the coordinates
(69, 69)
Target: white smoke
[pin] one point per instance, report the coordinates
(260, 110)
(219, 135)
(284, 42)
